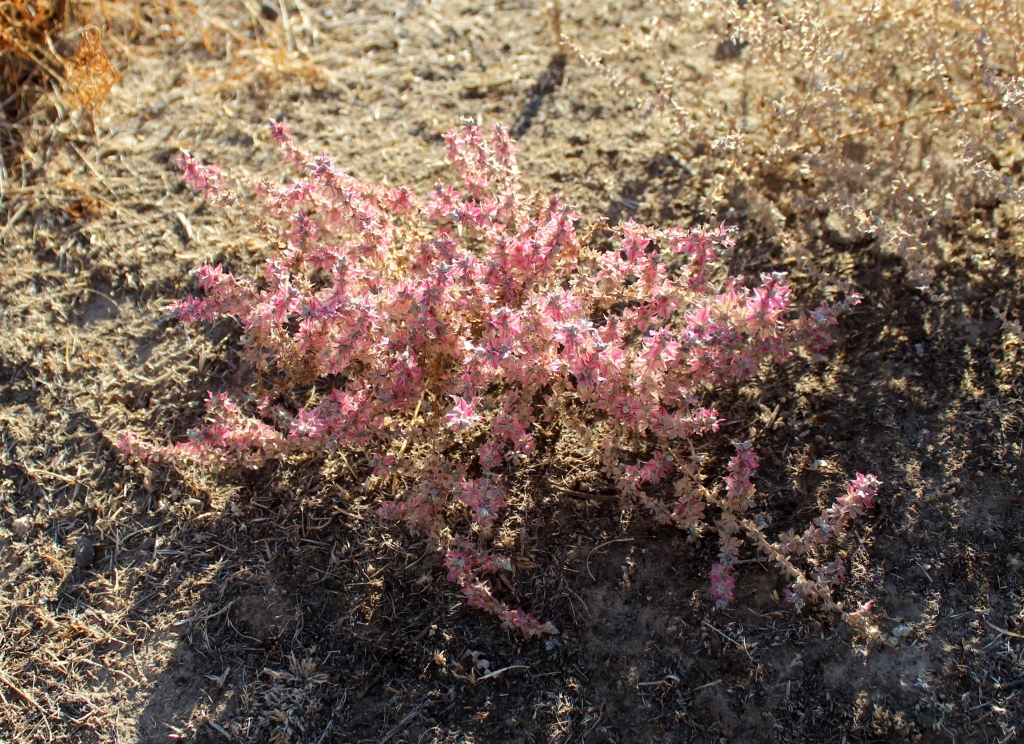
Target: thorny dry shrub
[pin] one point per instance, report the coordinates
(28, 31)
(451, 341)
(30, 34)
(27, 64)
(895, 120)
(89, 75)
(24, 29)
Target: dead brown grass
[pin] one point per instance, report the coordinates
(32, 35)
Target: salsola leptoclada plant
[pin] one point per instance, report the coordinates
(457, 328)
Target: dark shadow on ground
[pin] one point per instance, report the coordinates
(546, 85)
(318, 614)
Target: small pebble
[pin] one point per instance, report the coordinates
(901, 631)
(269, 11)
(20, 526)
(84, 553)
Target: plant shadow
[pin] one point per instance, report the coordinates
(335, 627)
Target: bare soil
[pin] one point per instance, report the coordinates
(275, 605)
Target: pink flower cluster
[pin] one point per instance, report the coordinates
(455, 328)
